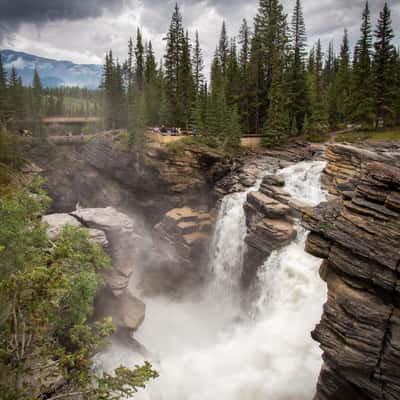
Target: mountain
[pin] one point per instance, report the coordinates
(53, 73)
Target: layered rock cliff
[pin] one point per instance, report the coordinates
(104, 173)
(358, 236)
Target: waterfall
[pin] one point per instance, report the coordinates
(200, 347)
(228, 244)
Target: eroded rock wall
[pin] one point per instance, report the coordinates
(359, 238)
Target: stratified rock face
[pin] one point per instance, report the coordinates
(185, 233)
(360, 328)
(345, 166)
(269, 221)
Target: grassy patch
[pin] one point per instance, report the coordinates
(374, 136)
(317, 137)
(200, 143)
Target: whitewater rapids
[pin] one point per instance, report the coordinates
(209, 348)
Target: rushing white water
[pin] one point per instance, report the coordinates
(202, 348)
(228, 245)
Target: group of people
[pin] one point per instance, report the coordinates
(175, 131)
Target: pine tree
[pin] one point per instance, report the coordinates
(3, 96)
(232, 130)
(152, 87)
(318, 120)
(329, 67)
(362, 93)
(107, 85)
(16, 100)
(37, 109)
(344, 80)
(198, 65)
(139, 64)
(118, 97)
(244, 60)
(298, 90)
(311, 62)
(129, 63)
(277, 124)
(384, 61)
(197, 121)
(223, 49)
(232, 77)
(186, 88)
(216, 119)
(257, 96)
(270, 36)
(137, 119)
(173, 58)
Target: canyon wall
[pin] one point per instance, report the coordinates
(358, 236)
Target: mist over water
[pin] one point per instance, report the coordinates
(209, 348)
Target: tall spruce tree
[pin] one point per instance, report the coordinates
(363, 93)
(270, 36)
(186, 87)
(232, 77)
(16, 100)
(139, 64)
(277, 124)
(344, 80)
(318, 120)
(151, 87)
(198, 65)
(329, 67)
(244, 60)
(173, 58)
(298, 90)
(37, 107)
(384, 70)
(223, 49)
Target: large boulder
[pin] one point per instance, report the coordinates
(125, 242)
(56, 223)
(119, 236)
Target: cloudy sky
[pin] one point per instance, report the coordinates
(83, 30)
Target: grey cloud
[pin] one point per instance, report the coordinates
(15, 12)
(45, 10)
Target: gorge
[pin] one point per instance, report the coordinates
(221, 288)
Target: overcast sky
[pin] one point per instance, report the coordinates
(83, 30)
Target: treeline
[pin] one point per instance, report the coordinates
(24, 107)
(72, 101)
(20, 107)
(263, 81)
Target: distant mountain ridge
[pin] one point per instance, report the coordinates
(53, 73)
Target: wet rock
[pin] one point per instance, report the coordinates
(269, 224)
(359, 238)
(187, 230)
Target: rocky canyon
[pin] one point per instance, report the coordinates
(198, 236)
